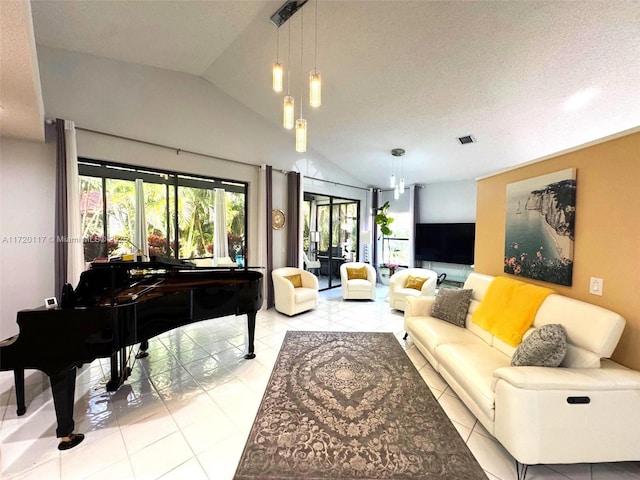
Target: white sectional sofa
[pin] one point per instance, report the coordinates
(585, 411)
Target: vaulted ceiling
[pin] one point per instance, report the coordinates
(524, 79)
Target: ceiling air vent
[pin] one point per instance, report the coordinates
(467, 139)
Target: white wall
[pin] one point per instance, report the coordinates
(27, 198)
(448, 202)
(168, 108)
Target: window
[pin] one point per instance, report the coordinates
(395, 248)
(179, 211)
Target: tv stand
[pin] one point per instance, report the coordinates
(452, 284)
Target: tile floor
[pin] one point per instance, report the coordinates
(187, 409)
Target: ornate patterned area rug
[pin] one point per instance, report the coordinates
(351, 406)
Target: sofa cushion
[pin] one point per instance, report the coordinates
(588, 326)
(472, 367)
(356, 273)
(358, 285)
(302, 294)
(545, 347)
(433, 332)
(296, 280)
(414, 282)
(452, 305)
(410, 292)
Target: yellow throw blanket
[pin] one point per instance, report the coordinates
(509, 308)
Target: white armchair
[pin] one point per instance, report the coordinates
(398, 290)
(358, 281)
(292, 299)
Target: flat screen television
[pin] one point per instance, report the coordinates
(445, 242)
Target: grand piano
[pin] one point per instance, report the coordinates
(116, 306)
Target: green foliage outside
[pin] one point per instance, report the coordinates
(195, 219)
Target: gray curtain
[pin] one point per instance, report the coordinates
(293, 225)
(269, 205)
(414, 211)
(61, 218)
(374, 229)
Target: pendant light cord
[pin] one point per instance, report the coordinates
(289, 66)
(315, 60)
(301, 51)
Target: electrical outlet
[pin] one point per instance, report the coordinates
(595, 286)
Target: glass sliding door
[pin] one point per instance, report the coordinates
(330, 235)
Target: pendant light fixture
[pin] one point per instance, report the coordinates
(398, 186)
(315, 81)
(401, 183)
(277, 72)
(289, 102)
(392, 179)
(301, 123)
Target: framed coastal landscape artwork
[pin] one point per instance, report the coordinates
(540, 226)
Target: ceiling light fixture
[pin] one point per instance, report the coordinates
(398, 187)
(301, 123)
(315, 81)
(277, 66)
(289, 102)
(282, 15)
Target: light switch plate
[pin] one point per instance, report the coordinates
(595, 286)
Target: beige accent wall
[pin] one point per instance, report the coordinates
(607, 234)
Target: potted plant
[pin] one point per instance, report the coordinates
(383, 219)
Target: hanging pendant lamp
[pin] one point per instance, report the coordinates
(277, 71)
(398, 186)
(289, 103)
(301, 123)
(315, 81)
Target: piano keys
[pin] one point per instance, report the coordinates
(117, 305)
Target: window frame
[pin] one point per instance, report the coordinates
(172, 179)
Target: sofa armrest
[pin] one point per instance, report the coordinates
(429, 286)
(309, 280)
(581, 379)
(419, 306)
(562, 415)
(396, 281)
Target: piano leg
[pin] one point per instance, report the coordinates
(114, 383)
(18, 378)
(63, 387)
(144, 346)
(251, 324)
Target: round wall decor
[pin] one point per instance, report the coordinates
(278, 219)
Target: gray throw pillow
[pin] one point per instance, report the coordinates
(452, 305)
(545, 347)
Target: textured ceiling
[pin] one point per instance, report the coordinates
(22, 111)
(526, 79)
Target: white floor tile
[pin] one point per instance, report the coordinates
(161, 457)
(92, 455)
(148, 430)
(191, 469)
(120, 470)
(49, 470)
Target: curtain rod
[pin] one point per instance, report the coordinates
(338, 183)
(177, 150)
